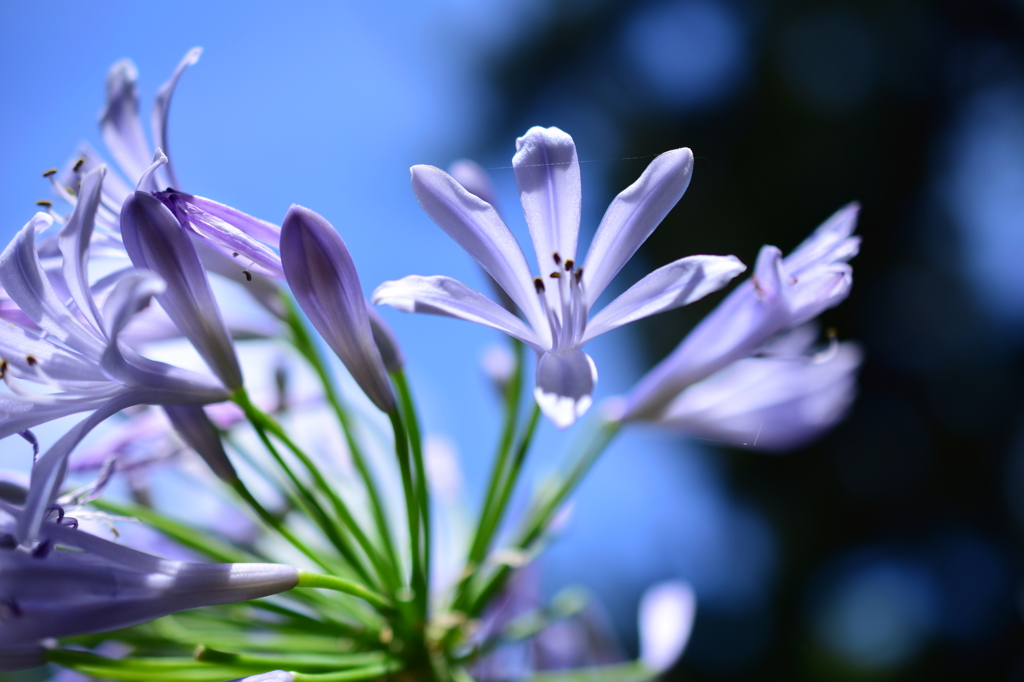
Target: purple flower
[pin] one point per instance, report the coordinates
(557, 305)
(780, 400)
(75, 583)
(783, 293)
(323, 278)
(666, 615)
(73, 355)
(154, 240)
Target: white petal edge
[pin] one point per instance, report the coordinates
(565, 386)
(671, 286)
(666, 615)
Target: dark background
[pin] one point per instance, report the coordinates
(899, 532)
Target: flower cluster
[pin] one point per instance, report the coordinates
(402, 583)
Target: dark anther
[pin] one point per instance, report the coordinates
(558, 259)
(49, 173)
(56, 508)
(70, 191)
(569, 265)
(538, 284)
(31, 360)
(555, 275)
(45, 203)
(70, 522)
(3, 368)
(43, 549)
(579, 275)
(234, 254)
(78, 164)
(7, 541)
(248, 275)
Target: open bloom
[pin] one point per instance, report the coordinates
(73, 353)
(557, 304)
(783, 293)
(75, 583)
(779, 400)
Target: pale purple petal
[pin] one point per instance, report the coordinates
(155, 241)
(769, 403)
(548, 175)
(475, 179)
(120, 123)
(17, 345)
(74, 241)
(22, 276)
(195, 428)
(666, 615)
(104, 586)
(387, 342)
(565, 384)
(48, 471)
(162, 106)
(676, 284)
(236, 234)
(748, 317)
(323, 278)
(445, 296)
(633, 216)
(831, 242)
(18, 414)
(478, 229)
(822, 288)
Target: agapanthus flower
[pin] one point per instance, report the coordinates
(73, 352)
(557, 304)
(323, 278)
(783, 293)
(75, 583)
(779, 400)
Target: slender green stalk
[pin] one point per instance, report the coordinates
(330, 582)
(370, 672)
(264, 422)
(165, 669)
(412, 506)
(276, 523)
(314, 662)
(544, 508)
(478, 548)
(181, 533)
(630, 671)
(510, 479)
(310, 351)
(422, 483)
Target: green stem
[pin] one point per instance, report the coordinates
(422, 483)
(330, 582)
(181, 533)
(545, 507)
(275, 523)
(290, 661)
(630, 671)
(412, 507)
(264, 421)
(309, 350)
(478, 548)
(508, 485)
(370, 672)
